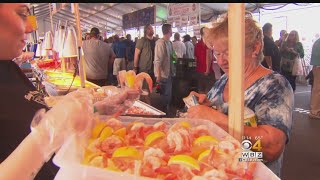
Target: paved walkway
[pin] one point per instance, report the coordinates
(302, 154)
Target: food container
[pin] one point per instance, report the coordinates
(71, 154)
(148, 110)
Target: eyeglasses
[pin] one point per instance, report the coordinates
(221, 54)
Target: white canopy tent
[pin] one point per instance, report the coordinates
(108, 16)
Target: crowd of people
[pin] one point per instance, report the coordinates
(268, 93)
(104, 59)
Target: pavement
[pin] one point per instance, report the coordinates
(302, 153)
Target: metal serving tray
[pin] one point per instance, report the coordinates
(155, 112)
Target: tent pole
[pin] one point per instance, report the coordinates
(79, 36)
(236, 14)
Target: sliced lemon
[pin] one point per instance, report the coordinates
(97, 129)
(185, 160)
(205, 140)
(185, 124)
(105, 133)
(197, 150)
(153, 137)
(126, 152)
(130, 79)
(203, 155)
(96, 161)
(121, 132)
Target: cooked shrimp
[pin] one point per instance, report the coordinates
(114, 123)
(159, 126)
(139, 80)
(180, 140)
(136, 134)
(153, 158)
(110, 144)
(122, 78)
(201, 130)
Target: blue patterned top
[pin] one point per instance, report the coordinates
(271, 99)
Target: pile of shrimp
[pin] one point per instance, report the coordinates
(152, 159)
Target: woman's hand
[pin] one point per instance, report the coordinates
(201, 112)
(205, 112)
(202, 98)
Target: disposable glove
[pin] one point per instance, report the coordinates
(73, 113)
(117, 104)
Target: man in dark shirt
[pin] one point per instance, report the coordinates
(130, 45)
(119, 48)
(270, 51)
(144, 56)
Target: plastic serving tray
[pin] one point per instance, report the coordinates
(70, 155)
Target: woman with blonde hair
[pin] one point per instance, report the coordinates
(290, 49)
(267, 93)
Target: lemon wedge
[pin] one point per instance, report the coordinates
(205, 140)
(97, 130)
(130, 152)
(185, 124)
(105, 133)
(121, 132)
(153, 137)
(185, 160)
(203, 155)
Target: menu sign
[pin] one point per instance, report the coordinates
(188, 12)
(178, 9)
(139, 18)
(193, 19)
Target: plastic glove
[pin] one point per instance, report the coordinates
(117, 104)
(72, 114)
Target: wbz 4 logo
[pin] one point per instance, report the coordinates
(247, 146)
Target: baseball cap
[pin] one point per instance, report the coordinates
(94, 30)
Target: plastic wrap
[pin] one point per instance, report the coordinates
(71, 154)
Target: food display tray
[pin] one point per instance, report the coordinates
(70, 155)
(146, 107)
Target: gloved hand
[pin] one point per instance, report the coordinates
(72, 114)
(117, 104)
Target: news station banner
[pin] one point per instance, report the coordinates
(251, 152)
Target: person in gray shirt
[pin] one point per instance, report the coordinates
(98, 56)
(164, 68)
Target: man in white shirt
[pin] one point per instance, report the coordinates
(178, 46)
(97, 56)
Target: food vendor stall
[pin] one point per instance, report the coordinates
(126, 147)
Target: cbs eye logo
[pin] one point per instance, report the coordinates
(247, 145)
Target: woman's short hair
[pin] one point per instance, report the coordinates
(219, 31)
